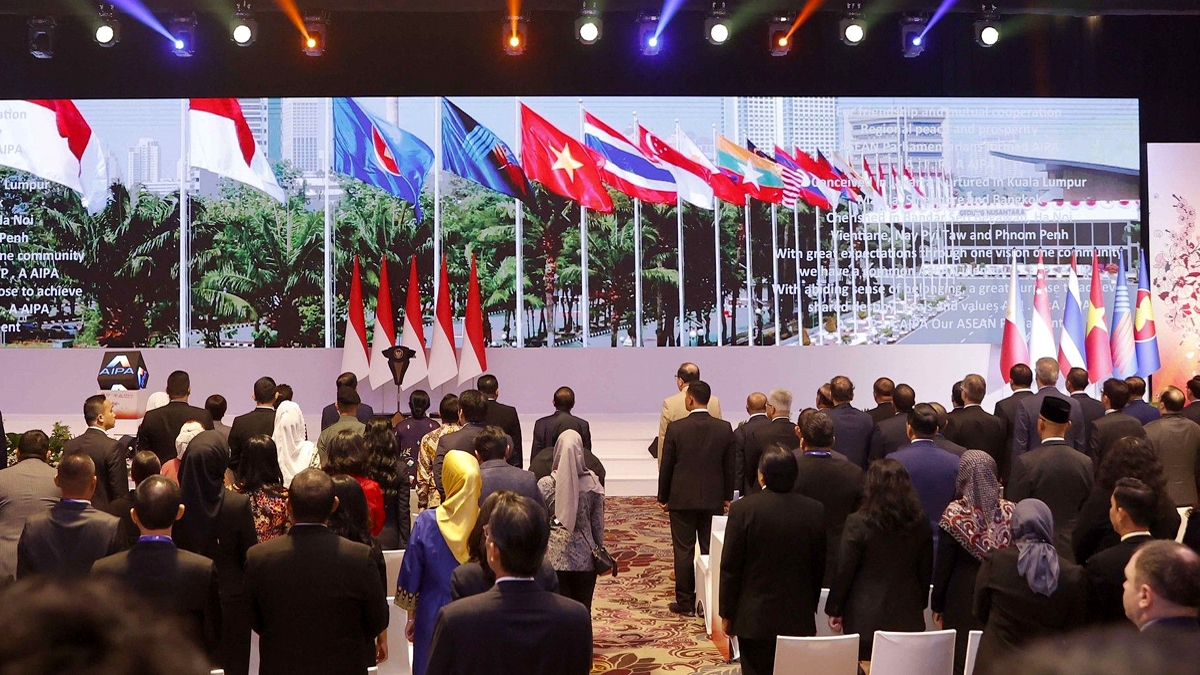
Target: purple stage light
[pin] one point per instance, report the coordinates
(139, 11)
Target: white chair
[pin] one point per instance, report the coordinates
(218, 671)
(254, 655)
(716, 544)
(399, 653)
(834, 655)
(913, 653)
(392, 560)
(929, 624)
(973, 639)
(701, 568)
(823, 629)
(1183, 521)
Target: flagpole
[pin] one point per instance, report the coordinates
(437, 198)
(584, 303)
(799, 294)
(850, 259)
(751, 317)
(519, 254)
(683, 338)
(637, 265)
(820, 277)
(185, 231)
(328, 234)
(775, 267)
(717, 258)
(836, 270)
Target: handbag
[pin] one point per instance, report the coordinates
(602, 560)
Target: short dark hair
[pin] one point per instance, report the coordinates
(1137, 499)
(352, 517)
(491, 443)
(1137, 386)
(1193, 387)
(956, 394)
(33, 443)
(311, 496)
(264, 390)
(217, 406)
(699, 391)
(904, 398)
(1171, 569)
(1117, 392)
(156, 502)
(76, 473)
(688, 372)
(179, 384)
(448, 409)
(778, 468)
(145, 464)
(923, 419)
(283, 392)
(817, 430)
(347, 397)
(884, 386)
(519, 529)
(841, 389)
(1172, 399)
(93, 407)
(259, 466)
(347, 380)
(488, 384)
(564, 398)
(1021, 375)
(347, 453)
(473, 405)
(823, 395)
(974, 388)
(418, 403)
(1078, 379)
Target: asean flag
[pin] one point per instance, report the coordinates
(51, 139)
(561, 163)
(220, 141)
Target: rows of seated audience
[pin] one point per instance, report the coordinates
(1054, 514)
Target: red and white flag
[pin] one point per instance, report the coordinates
(691, 177)
(1041, 334)
(472, 361)
(413, 335)
(51, 139)
(1013, 349)
(912, 185)
(384, 336)
(221, 142)
(354, 348)
(443, 366)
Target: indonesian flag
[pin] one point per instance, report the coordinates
(1041, 335)
(871, 177)
(691, 176)
(1099, 356)
(912, 184)
(1014, 349)
(354, 348)
(51, 139)
(443, 366)
(413, 336)
(472, 362)
(221, 142)
(384, 336)
(1071, 338)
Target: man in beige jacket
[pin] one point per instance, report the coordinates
(674, 408)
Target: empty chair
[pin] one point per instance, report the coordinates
(393, 560)
(218, 671)
(399, 657)
(823, 629)
(913, 653)
(1184, 514)
(702, 565)
(834, 655)
(973, 639)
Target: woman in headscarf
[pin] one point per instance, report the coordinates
(1028, 590)
(439, 543)
(575, 499)
(296, 452)
(218, 524)
(187, 432)
(972, 526)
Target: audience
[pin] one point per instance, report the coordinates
(472, 410)
(428, 494)
(828, 478)
(1132, 509)
(261, 480)
(574, 496)
(257, 422)
(1162, 590)
(1025, 437)
(744, 473)
(824, 400)
(331, 413)
(112, 476)
(26, 488)
(143, 465)
(503, 416)
(67, 538)
(547, 430)
(283, 393)
(1192, 410)
(350, 520)
(1078, 382)
(187, 432)
(1138, 408)
(779, 431)
(411, 430)
(1020, 379)
(932, 470)
(972, 427)
(675, 407)
(891, 434)
(217, 406)
(1115, 424)
(882, 392)
(885, 561)
(296, 452)
(475, 576)
(160, 426)
(492, 451)
(348, 405)
(347, 453)
(851, 427)
(388, 468)
(772, 565)
(1176, 439)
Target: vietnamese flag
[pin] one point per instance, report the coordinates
(1099, 353)
(561, 163)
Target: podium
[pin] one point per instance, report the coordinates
(122, 379)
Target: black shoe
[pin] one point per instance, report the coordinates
(677, 608)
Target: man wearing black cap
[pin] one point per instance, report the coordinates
(1054, 472)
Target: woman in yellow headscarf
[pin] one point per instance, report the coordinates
(437, 545)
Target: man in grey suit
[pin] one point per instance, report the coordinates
(26, 488)
(72, 535)
(348, 406)
(112, 476)
(492, 448)
(472, 410)
(1176, 439)
(1025, 430)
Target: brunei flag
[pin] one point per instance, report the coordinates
(758, 176)
(1144, 336)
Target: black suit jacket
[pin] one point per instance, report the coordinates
(779, 430)
(547, 429)
(697, 464)
(513, 629)
(1025, 433)
(505, 417)
(773, 565)
(973, 428)
(851, 432)
(1006, 409)
(254, 423)
(543, 463)
(471, 579)
(127, 531)
(65, 540)
(883, 411)
(1092, 410)
(743, 473)
(229, 539)
(175, 582)
(888, 436)
(161, 426)
(1108, 429)
(315, 600)
(838, 485)
(112, 475)
(1093, 531)
(1060, 476)
(1105, 573)
(1192, 411)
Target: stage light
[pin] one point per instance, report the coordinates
(41, 37)
(852, 27)
(779, 42)
(912, 34)
(183, 35)
(108, 30)
(516, 35)
(244, 29)
(649, 40)
(716, 25)
(589, 27)
(316, 29)
(987, 27)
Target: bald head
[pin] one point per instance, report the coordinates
(687, 374)
(76, 476)
(1172, 399)
(157, 503)
(756, 403)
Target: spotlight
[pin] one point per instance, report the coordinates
(716, 25)
(41, 37)
(516, 35)
(316, 29)
(987, 27)
(108, 30)
(244, 29)
(778, 40)
(912, 34)
(183, 35)
(589, 27)
(649, 40)
(852, 26)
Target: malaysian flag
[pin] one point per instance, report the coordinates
(792, 181)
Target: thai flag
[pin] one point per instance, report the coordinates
(1070, 341)
(625, 168)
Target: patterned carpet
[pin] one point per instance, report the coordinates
(633, 631)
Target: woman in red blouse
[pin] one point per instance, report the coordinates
(348, 454)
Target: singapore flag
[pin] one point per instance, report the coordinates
(221, 142)
(51, 139)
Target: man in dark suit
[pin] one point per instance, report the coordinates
(772, 564)
(1138, 408)
(957, 402)
(779, 431)
(756, 408)
(828, 478)
(972, 427)
(939, 439)
(1020, 379)
(1176, 439)
(144, 465)
(1025, 432)
(112, 477)
(472, 411)
(1192, 411)
(1162, 589)
(503, 416)
(852, 427)
(491, 449)
(66, 539)
(217, 406)
(26, 488)
(176, 582)
(1055, 473)
(315, 598)
(1132, 508)
(892, 434)
(695, 482)
(547, 429)
(933, 470)
(257, 422)
(330, 414)
(160, 426)
(1115, 424)
(1077, 384)
(515, 628)
(884, 405)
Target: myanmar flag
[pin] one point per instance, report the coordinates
(760, 177)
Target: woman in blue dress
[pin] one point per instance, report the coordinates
(438, 545)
